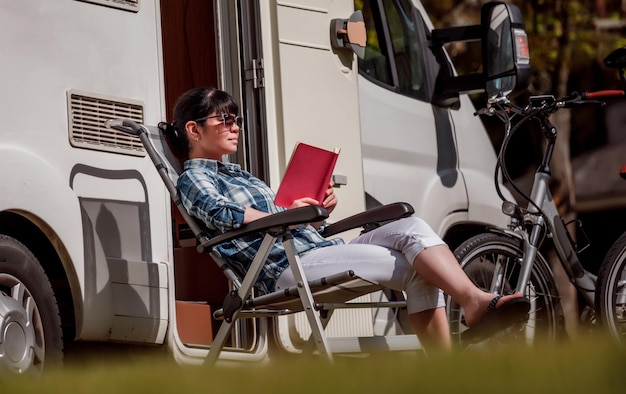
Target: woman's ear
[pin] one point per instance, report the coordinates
(192, 130)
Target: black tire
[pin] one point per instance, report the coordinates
(30, 326)
(611, 290)
(477, 257)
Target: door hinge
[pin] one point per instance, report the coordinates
(256, 74)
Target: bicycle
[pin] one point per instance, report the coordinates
(611, 294)
(512, 259)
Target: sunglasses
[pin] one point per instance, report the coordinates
(228, 120)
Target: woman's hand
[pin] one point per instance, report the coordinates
(303, 202)
(330, 200)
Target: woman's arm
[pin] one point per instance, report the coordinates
(251, 214)
(330, 202)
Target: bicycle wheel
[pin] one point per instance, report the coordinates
(492, 262)
(611, 290)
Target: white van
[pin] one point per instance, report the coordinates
(90, 248)
(421, 143)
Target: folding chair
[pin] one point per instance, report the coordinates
(318, 298)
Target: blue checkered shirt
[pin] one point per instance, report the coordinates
(218, 193)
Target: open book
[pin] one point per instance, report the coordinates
(308, 174)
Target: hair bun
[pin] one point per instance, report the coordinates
(168, 128)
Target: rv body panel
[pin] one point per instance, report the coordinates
(101, 208)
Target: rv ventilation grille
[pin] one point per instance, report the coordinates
(128, 5)
(87, 114)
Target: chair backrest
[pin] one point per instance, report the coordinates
(169, 169)
(157, 139)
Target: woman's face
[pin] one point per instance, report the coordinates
(214, 136)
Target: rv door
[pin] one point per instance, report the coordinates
(295, 87)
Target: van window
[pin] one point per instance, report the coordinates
(392, 55)
(375, 63)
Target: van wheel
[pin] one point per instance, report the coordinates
(30, 325)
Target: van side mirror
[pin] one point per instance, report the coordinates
(505, 54)
(349, 33)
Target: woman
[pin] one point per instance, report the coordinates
(403, 255)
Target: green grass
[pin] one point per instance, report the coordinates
(590, 364)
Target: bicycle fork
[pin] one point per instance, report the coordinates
(548, 216)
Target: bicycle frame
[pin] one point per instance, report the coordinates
(541, 218)
(545, 214)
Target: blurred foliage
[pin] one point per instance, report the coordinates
(593, 363)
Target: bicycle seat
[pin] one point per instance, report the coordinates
(616, 59)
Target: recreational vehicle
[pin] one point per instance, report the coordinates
(91, 249)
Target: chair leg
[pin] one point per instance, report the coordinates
(310, 343)
(242, 293)
(306, 297)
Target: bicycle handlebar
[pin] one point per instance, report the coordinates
(600, 94)
(544, 105)
(539, 108)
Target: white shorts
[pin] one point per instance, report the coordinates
(384, 256)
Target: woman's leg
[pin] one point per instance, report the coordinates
(431, 327)
(389, 268)
(406, 255)
(438, 266)
(434, 262)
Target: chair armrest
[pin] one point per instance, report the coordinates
(278, 222)
(371, 218)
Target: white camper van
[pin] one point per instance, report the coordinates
(90, 247)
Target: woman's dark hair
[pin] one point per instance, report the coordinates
(195, 103)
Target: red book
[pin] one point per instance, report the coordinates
(308, 174)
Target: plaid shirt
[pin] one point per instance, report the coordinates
(218, 193)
